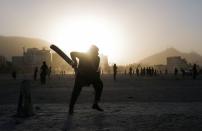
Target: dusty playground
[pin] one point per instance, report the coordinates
(162, 103)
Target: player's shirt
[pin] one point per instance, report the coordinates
(88, 66)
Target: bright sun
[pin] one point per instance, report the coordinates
(79, 33)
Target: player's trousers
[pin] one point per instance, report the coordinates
(79, 83)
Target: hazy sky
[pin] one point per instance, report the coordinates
(125, 30)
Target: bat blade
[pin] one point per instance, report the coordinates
(61, 54)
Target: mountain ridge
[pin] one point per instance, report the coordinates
(13, 45)
(160, 58)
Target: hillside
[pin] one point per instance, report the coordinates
(13, 46)
(160, 58)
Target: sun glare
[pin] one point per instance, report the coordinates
(79, 33)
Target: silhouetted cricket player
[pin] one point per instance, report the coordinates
(14, 74)
(115, 71)
(44, 70)
(35, 73)
(87, 73)
(130, 71)
(194, 71)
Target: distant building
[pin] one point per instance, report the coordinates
(104, 64)
(35, 57)
(18, 61)
(2, 60)
(31, 58)
(176, 62)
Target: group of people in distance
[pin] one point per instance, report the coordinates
(151, 71)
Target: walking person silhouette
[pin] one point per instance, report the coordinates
(35, 73)
(43, 74)
(115, 71)
(130, 71)
(194, 71)
(87, 73)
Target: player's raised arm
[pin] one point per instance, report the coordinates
(75, 55)
(97, 63)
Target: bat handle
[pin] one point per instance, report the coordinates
(76, 71)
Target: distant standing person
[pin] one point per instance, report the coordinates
(14, 74)
(35, 73)
(166, 72)
(175, 71)
(137, 71)
(130, 71)
(44, 70)
(183, 72)
(194, 71)
(49, 72)
(115, 71)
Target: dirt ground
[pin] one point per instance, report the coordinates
(163, 103)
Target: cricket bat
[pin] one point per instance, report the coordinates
(62, 54)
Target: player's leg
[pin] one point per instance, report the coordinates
(98, 86)
(75, 94)
(98, 91)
